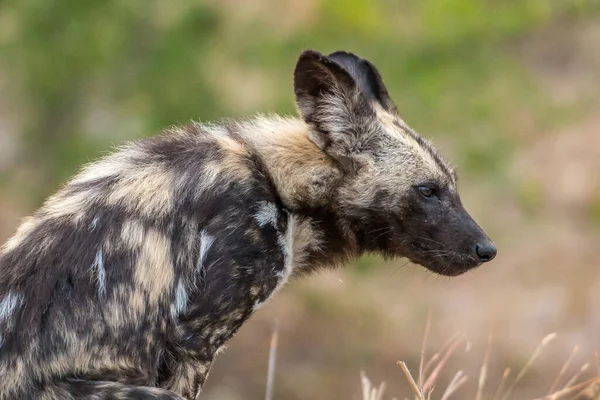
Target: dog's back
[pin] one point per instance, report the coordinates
(92, 284)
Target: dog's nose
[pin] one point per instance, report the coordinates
(486, 252)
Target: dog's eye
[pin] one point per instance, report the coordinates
(426, 191)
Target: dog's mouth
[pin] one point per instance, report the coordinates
(441, 261)
(431, 254)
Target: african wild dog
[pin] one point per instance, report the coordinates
(127, 282)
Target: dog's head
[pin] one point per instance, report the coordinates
(398, 193)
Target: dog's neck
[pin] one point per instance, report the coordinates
(306, 180)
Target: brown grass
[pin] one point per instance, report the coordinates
(424, 386)
(572, 389)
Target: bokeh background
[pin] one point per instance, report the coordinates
(509, 90)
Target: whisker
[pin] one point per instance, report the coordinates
(380, 235)
(398, 269)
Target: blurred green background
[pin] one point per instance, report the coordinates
(508, 89)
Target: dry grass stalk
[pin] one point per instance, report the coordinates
(483, 371)
(413, 385)
(563, 371)
(378, 395)
(366, 385)
(271, 367)
(569, 390)
(459, 379)
(505, 376)
(577, 375)
(431, 363)
(434, 375)
(545, 341)
(591, 392)
(424, 348)
(437, 355)
(369, 391)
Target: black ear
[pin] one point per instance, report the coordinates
(366, 76)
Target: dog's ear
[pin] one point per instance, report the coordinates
(320, 85)
(367, 77)
(334, 104)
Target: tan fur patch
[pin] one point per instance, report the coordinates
(143, 188)
(84, 357)
(132, 234)
(253, 235)
(126, 306)
(14, 376)
(147, 190)
(112, 166)
(26, 227)
(71, 205)
(152, 274)
(397, 128)
(153, 271)
(305, 237)
(74, 205)
(302, 173)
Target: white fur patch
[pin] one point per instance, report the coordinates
(287, 247)
(100, 272)
(181, 300)
(9, 303)
(94, 223)
(259, 304)
(206, 241)
(213, 130)
(286, 243)
(266, 214)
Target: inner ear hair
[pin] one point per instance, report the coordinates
(334, 105)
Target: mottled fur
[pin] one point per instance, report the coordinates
(127, 282)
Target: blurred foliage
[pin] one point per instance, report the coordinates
(530, 196)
